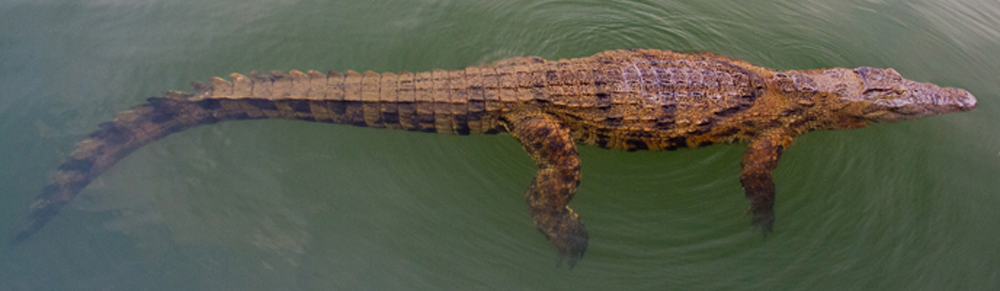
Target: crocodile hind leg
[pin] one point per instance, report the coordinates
(552, 148)
(760, 159)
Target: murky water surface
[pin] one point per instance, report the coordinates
(284, 205)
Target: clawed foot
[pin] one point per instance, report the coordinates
(762, 218)
(566, 233)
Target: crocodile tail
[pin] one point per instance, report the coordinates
(115, 139)
(435, 101)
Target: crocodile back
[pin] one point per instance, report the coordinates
(646, 99)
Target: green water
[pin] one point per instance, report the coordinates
(284, 205)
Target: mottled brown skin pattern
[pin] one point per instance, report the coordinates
(627, 100)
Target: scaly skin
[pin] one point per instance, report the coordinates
(628, 100)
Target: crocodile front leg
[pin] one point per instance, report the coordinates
(758, 163)
(552, 148)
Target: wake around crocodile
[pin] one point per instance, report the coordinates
(626, 99)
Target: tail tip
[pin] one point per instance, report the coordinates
(20, 237)
(33, 222)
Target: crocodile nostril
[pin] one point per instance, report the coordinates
(966, 99)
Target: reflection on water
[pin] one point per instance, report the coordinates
(262, 205)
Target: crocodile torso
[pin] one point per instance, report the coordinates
(628, 100)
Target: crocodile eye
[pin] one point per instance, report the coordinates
(874, 94)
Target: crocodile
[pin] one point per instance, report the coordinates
(629, 100)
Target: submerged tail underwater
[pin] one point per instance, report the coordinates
(626, 99)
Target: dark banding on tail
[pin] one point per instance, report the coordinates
(129, 130)
(369, 99)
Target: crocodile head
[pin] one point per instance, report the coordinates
(882, 95)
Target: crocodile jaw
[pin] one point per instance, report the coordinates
(919, 100)
(887, 97)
